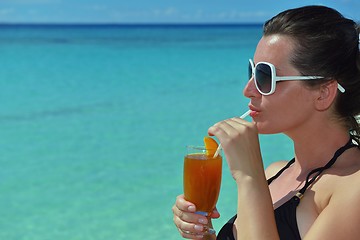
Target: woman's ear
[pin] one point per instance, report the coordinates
(326, 95)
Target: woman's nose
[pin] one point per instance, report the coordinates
(250, 90)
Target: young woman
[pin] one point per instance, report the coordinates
(316, 195)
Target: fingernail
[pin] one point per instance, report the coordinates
(203, 220)
(191, 208)
(198, 227)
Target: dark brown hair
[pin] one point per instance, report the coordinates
(327, 45)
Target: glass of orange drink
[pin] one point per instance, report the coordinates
(202, 177)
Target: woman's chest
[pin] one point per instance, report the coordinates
(314, 200)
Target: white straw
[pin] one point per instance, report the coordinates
(219, 147)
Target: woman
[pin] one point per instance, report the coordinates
(316, 195)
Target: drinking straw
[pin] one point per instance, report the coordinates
(219, 147)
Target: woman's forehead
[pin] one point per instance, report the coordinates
(277, 50)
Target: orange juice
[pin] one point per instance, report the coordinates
(202, 179)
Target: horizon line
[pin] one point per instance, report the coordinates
(131, 23)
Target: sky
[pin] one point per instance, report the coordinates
(158, 11)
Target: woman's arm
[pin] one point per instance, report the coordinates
(255, 218)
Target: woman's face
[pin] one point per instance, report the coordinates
(291, 105)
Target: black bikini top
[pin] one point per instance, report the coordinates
(285, 215)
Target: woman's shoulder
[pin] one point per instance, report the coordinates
(343, 180)
(274, 168)
(347, 178)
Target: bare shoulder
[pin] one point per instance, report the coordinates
(347, 185)
(341, 210)
(274, 168)
(347, 174)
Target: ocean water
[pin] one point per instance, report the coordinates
(94, 122)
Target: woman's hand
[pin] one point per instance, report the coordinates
(190, 224)
(240, 142)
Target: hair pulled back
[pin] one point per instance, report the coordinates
(327, 45)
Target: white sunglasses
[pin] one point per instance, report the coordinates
(265, 78)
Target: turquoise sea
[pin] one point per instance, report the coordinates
(94, 121)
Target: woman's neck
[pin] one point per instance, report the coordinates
(317, 147)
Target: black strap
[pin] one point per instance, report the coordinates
(316, 171)
(281, 171)
(319, 170)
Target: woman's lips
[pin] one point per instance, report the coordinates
(254, 111)
(254, 114)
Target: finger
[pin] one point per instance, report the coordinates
(242, 121)
(189, 217)
(215, 213)
(238, 126)
(227, 130)
(189, 235)
(243, 126)
(220, 129)
(184, 205)
(189, 230)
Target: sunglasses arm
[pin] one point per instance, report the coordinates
(295, 78)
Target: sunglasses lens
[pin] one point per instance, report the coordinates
(263, 77)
